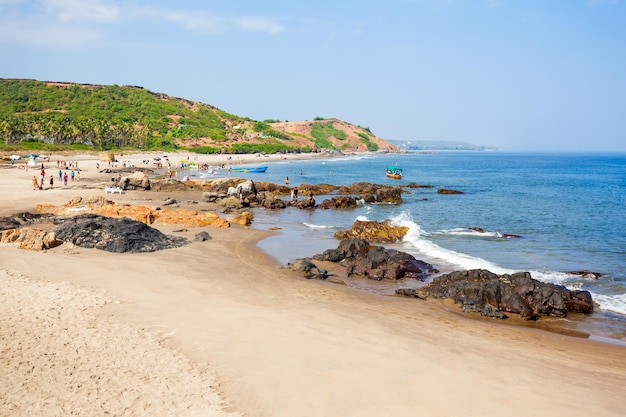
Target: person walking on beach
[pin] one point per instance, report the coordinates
(35, 182)
(51, 181)
(73, 174)
(65, 178)
(60, 175)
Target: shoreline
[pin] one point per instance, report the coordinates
(276, 344)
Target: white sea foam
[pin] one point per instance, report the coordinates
(615, 303)
(414, 237)
(318, 226)
(468, 232)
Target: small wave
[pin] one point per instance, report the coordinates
(615, 303)
(468, 232)
(452, 258)
(318, 226)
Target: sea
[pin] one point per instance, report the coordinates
(568, 209)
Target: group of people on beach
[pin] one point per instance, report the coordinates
(38, 181)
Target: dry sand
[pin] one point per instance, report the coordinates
(216, 328)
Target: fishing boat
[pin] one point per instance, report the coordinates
(394, 172)
(248, 169)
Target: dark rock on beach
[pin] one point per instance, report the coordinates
(202, 236)
(376, 262)
(114, 234)
(492, 295)
(308, 269)
(22, 219)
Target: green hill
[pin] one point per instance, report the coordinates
(54, 114)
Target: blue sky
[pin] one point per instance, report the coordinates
(539, 75)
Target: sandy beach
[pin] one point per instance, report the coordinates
(216, 328)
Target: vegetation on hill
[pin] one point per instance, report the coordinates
(36, 114)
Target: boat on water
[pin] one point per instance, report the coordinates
(248, 169)
(394, 172)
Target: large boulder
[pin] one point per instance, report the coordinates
(491, 294)
(376, 262)
(244, 218)
(306, 203)
(389, 195)
(114, 234)
(136, 181)
(307, 268)
(373, 231)
(271, 201)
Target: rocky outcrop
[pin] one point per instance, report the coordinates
(376, 262)
(31, 239)
(373, 231)
(389, 195)
(375, 193)
(341, 202)
(144, 214)
(270, 201)
(494, 295)
(447, 191)
(22, 219)
(114, 234)
(244, 218)
(306, 203)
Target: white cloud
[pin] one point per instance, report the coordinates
(203, 21)
(40, 33)
(199, 21)
(83, 10)
(258, 24)
(76, 23)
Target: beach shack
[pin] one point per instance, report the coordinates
(107, 157)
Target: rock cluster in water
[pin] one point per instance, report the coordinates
(359, 257)
(494, 295)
